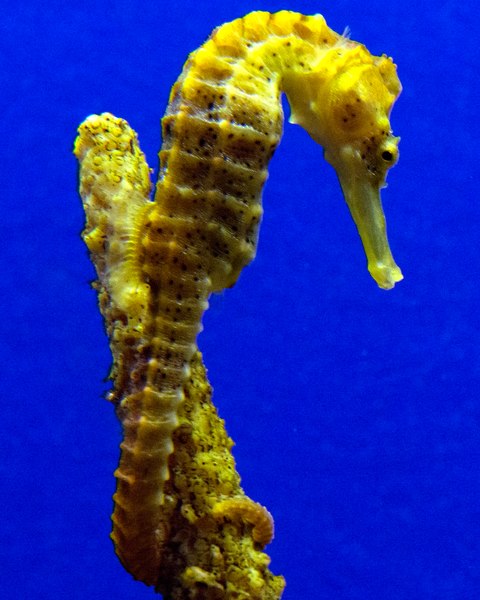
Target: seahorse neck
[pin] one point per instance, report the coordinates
(287, 53)
(288, 56)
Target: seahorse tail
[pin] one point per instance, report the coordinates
(244, 510)
(149, 419)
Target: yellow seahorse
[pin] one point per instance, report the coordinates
(158, 262)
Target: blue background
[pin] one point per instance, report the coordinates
(355, 411)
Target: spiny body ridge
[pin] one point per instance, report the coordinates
(159, 261)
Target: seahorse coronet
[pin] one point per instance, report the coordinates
(159, 261)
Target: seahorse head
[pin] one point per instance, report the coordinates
(345, 107)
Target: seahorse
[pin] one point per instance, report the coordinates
(159, 261)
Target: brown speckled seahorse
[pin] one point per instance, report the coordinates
(158, 262)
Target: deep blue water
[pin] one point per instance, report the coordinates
(355, 411)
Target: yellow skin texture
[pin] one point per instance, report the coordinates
(181, 520)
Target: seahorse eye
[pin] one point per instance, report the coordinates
(388, 152)
(387, 156)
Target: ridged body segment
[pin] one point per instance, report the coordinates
(158, 262)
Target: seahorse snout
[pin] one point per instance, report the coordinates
(361, 189)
